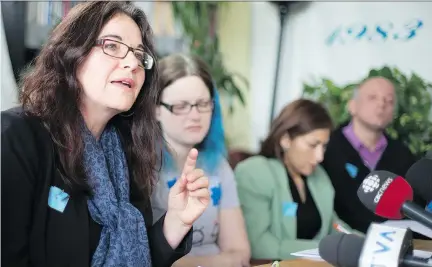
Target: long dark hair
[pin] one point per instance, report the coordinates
(52, 92)
(298, 118)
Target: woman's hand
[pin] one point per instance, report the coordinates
(187, 200)
(190, 196)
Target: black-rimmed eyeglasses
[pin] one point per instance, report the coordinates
(185, 107)
(120, 50)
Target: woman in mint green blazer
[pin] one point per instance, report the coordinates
(285, 195)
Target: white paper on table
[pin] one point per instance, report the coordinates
(310, 254)
(313, 254)
(413, 225)
(422, 254)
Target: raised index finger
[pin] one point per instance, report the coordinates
(190, 163)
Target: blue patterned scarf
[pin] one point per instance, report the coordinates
(123, 240)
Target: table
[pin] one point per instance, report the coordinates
(418, 244)
(423, 245)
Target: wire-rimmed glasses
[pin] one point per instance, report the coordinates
(118, 49)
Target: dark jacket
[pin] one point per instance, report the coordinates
(396, 158)
(33, 234)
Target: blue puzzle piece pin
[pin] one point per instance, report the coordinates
(57, 199)
(171, 183)
(289, 209)
(216, 194)
(351, 169)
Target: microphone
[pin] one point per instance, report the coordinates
(346, 250)
(390, 196)
(340, 249)
(419, 176)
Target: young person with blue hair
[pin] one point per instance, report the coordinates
(190, 116)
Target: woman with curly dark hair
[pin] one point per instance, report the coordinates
(80, 156)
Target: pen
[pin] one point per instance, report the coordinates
(340, 228)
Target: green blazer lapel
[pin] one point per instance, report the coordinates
(319, 194)
(286, 207)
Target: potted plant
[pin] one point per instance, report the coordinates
(199, 24)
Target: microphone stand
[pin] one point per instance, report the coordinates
(283, 12)
(414, 212)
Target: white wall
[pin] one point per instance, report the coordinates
(307, 55)
(265, 34)
(9, 93)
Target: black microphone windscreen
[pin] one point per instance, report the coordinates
(341, 249)
(419, 176)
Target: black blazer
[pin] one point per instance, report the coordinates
(33, 234)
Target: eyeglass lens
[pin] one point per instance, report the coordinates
(120, 50)
(183, 108)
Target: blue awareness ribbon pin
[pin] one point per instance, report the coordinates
(57, 199)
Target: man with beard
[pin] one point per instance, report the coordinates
(360, 146)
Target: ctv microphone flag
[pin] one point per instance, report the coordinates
(385, 246)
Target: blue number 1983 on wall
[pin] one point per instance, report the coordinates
(380, 32)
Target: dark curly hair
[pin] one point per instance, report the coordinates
(52, 92)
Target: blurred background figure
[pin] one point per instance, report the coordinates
(190, 116)
(286, 196)
(361, 145)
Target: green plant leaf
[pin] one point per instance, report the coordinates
(386, 73)
(196, 21)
